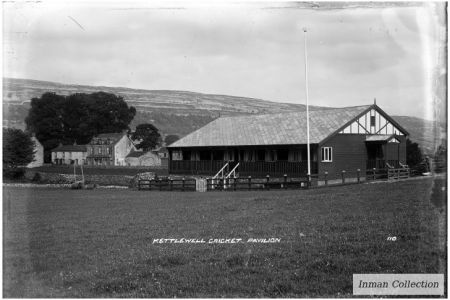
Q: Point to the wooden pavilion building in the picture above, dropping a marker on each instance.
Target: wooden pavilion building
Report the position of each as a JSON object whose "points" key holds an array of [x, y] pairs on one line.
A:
{"points": [[349, 138]]}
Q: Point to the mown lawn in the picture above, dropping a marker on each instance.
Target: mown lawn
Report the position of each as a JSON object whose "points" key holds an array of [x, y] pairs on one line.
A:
{"points": [[67, 243]]}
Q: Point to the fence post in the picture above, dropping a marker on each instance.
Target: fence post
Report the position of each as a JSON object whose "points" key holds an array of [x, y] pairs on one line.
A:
{"points": [[160, 184], [234, 183], [285, 181], [398, 173], [182, 186], [358, 174], [343, 176], [249, 183], [150, 184], [139, 184], [374, 171], [171, 183], [267, 182], [326, 178]]}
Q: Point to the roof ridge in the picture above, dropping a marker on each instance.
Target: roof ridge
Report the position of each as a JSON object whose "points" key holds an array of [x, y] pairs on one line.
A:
{"points": [[295, 112]]}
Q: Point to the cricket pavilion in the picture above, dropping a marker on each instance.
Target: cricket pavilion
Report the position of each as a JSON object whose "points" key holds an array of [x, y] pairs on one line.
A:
{"points": [[348, 138]]}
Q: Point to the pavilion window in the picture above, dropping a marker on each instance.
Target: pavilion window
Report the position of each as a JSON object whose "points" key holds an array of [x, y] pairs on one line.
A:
{"points": [[250, 155], [272, 155], [372, 121], [327, 154], [296, 155]]}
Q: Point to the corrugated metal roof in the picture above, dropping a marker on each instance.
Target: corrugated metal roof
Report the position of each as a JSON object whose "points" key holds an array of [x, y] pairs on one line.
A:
{"points": [[70, 148], [271, 129]]}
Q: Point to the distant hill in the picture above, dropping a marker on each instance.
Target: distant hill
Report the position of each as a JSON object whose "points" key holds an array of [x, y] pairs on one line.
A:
{"points": [[173, 112]]}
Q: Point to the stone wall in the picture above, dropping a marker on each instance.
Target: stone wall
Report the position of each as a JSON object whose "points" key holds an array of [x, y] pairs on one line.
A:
{"points": [[54, 178]]}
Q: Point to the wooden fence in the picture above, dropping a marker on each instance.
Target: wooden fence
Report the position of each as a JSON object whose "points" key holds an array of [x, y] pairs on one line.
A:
{"points": [[253, 183], [167, 184], [268, 183]]}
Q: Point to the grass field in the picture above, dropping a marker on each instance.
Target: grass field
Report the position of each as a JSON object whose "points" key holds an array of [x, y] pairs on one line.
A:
{"points": [[67, 243]]}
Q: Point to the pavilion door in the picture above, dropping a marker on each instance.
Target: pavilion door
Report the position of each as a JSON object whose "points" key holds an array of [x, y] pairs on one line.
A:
{"points": [[375, 156]]}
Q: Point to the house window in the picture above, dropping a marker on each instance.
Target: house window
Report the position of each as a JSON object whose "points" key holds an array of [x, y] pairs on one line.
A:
{"points": [[327, 154], [372, 121], [92, 150], [99, 150], [107, 150]]}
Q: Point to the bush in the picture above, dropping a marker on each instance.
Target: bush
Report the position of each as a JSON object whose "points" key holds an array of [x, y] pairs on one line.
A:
{"points": [[37, 177], [14, 173]]}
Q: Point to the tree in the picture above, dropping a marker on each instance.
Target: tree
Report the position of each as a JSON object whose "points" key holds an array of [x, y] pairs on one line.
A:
{"points": [[76, 118], [413, 153], [147, 135], [18, 149], [171, 138]]}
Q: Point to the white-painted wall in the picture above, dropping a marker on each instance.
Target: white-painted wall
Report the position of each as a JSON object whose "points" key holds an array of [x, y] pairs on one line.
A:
{"points": [[121, 149]]}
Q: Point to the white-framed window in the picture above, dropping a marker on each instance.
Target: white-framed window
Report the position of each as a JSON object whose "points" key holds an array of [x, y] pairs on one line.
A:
{"points": [[327, 154], [107, 150], [99, 150]]}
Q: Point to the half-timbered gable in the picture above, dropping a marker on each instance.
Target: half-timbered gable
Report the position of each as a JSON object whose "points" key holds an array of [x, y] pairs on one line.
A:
{"points": [[374, 121]]}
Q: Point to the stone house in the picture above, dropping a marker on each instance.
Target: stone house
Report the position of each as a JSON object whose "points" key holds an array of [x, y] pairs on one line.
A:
{"points": [[69, 154], [109, 149]]}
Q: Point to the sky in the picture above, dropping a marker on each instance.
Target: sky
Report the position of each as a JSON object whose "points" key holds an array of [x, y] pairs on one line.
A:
{"points": [[355, 53]]}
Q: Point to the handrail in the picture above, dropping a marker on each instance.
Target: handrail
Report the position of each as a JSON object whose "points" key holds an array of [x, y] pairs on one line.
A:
{"points": [[232, 171], [403, 166], [220, 171]]}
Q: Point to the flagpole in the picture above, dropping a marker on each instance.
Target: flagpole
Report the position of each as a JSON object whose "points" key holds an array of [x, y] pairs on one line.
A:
{"points": [[307, 110]]}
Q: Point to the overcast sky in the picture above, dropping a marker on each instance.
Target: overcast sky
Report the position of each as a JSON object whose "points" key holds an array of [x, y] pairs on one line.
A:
{"points": [[243, 49]]}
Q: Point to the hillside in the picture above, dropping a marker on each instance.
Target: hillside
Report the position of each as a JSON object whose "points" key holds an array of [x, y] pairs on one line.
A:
{"points": [[173, 112]]}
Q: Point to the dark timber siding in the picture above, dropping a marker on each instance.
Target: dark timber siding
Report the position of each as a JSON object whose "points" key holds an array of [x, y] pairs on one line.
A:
{"points": [[349, 154], [402, 157]]}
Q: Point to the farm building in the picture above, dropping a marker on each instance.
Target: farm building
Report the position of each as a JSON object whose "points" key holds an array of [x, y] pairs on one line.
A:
{"points": [[141, 158], [109, 149], [349, 138], [38, 156], [69, 154]]}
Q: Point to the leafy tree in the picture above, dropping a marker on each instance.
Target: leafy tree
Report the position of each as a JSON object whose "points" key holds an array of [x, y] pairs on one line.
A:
{"points": [[76, 118], [413, 153], [147, 135], [171, 138], [45, 119], [18, 149]]}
